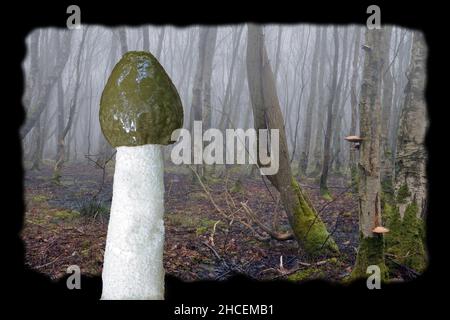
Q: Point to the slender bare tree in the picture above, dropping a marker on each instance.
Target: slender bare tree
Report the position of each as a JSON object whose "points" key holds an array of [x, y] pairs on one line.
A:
{"points": [[354, 105], [34, 111], [304, 158], [328, 133], [307, 226], [67, 127]]}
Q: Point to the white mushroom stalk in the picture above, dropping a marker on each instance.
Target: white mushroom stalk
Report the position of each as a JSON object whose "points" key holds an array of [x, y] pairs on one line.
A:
{"points": [[139, 110], [133, 261]]}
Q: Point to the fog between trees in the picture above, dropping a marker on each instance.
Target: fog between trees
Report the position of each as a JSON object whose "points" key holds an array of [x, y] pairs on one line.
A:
{"points": [[317, 84], [67, 70]]}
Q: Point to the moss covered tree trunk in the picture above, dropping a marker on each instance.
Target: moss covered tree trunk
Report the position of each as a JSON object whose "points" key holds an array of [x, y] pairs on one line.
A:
{"points": [[371, 244], [406, 240], [308, 228]]}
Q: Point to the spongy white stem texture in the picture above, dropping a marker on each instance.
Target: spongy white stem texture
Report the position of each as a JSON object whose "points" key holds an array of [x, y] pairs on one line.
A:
{"points": [[133, 262]]}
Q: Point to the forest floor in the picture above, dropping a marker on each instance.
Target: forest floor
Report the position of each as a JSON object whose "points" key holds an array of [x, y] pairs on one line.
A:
{"points": [[208, 234]]}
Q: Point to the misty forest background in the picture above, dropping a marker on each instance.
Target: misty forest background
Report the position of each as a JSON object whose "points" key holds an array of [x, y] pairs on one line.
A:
{"points": [[324, 83]]}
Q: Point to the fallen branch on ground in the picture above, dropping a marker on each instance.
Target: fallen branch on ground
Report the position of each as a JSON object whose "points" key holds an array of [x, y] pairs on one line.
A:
{"points": [[302, 264], [274, 234]]}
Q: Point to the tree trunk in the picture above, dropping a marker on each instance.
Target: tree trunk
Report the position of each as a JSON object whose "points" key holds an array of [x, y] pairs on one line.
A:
{"points": [[406, 212], [160, 43], [388, 83], [197, 88], [304, 156], [59, 135], [339, 104], [318, 144], [226, 114], [371, 244], [235, 99], [307, 226], [63, 133], [145, 39], [277, 55], [36, 158], [354, 108], [123, 40], [34, 112], [210, 46], [33, 75], [328, 133]]}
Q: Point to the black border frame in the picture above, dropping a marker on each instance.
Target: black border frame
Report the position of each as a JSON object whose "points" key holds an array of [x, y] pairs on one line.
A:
{"points": [[322, 298]]}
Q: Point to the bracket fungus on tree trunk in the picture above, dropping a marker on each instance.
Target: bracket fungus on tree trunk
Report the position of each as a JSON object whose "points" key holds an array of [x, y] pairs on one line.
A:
{"points": [[380, 229], [356, 140], [139, 109]]}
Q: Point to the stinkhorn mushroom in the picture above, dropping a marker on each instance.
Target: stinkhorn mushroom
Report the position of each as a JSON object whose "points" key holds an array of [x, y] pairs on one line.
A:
{"points": [[139, 109]]}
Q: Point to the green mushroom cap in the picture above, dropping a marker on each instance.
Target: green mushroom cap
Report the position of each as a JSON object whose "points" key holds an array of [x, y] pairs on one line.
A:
{"points": [[139, 104]]}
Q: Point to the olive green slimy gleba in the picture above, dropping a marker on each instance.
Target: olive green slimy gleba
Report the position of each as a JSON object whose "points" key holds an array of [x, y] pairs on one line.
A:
{"points": [[139, 109]]}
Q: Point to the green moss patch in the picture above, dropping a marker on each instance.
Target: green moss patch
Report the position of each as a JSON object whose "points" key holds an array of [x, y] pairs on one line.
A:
{"points": [[405, 241], [313, 233], [370, 252], [65, 214], [40, 198], [403, 193], [237, 187], [198, 195], [306, 274], [199, 224], [326, 195]]}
